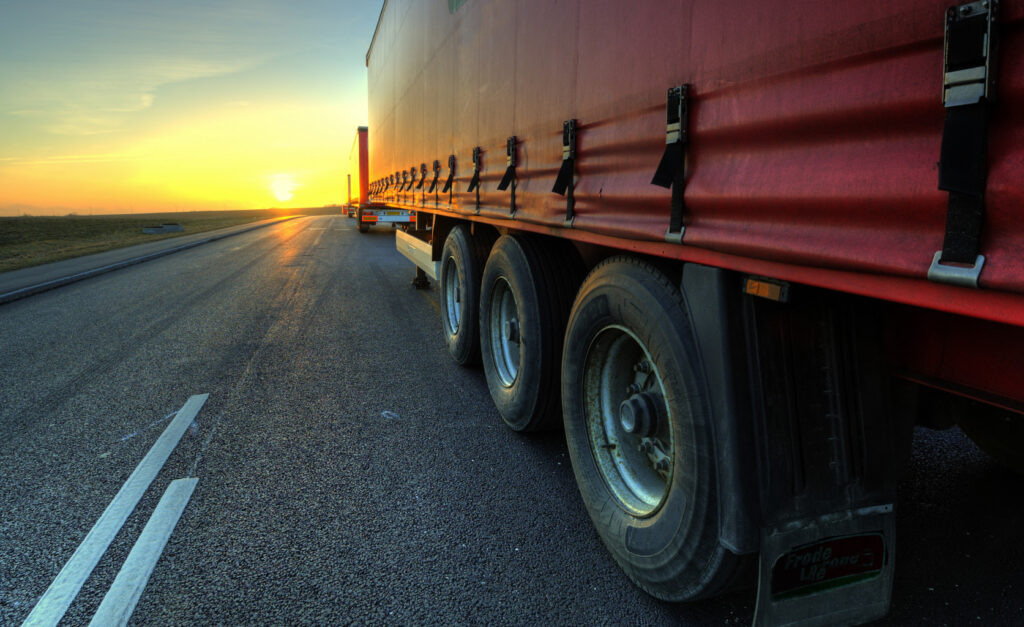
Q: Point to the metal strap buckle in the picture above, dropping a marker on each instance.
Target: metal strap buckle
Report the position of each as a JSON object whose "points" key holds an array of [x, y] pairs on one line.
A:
{"points": [[968, 75], [964, 276]]}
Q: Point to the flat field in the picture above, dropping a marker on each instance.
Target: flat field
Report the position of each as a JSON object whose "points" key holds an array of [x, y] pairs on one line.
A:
{"points": [[30, 241]]}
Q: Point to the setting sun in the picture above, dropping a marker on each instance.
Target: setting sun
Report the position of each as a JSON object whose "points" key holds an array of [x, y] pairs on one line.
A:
{"points": [[283, 186]]}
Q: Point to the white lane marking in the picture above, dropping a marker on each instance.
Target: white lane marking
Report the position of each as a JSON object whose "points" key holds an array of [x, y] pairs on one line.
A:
{"points": [[390, 415], [58, 597], [131, 580]]}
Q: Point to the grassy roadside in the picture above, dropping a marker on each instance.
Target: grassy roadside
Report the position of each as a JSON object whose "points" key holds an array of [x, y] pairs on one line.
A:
{"points": [[30, 241]]}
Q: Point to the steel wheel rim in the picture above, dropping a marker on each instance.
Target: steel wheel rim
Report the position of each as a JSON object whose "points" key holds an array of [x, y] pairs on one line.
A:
{"points": [[503, 318], [452, 296], [636, 466]]}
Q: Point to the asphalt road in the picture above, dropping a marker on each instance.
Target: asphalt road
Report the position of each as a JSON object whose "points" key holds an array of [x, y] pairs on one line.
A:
{"points": [[349, 472]]}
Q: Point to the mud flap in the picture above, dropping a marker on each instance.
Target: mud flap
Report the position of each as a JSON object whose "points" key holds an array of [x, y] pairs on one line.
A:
{"points": [[828, 455], [836, 569]]}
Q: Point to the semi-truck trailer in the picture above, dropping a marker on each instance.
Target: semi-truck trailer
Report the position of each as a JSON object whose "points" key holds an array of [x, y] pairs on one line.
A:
{"points": [[736, 249], [366, 211]]}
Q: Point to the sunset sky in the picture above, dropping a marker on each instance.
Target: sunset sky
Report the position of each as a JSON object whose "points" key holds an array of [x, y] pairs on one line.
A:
{"points": [[117, 106]]}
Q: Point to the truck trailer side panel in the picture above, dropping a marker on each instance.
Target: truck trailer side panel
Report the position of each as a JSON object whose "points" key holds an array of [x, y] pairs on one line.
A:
{"points": [[815, 128]]}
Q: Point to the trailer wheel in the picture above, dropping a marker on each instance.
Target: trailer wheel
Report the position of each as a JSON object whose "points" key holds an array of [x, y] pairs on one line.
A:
{"points": [[526, 294], [462, 262], [638, 429], [362, 226]]}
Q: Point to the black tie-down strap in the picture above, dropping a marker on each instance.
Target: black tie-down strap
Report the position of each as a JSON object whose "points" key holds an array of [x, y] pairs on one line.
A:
{"points": [[671, 172], [564, 184], [423, 175], [412, 179], [509, 178], [474, 182], [968, 93], [962, 172], [437, 174], [451, 175], [510, 164]]}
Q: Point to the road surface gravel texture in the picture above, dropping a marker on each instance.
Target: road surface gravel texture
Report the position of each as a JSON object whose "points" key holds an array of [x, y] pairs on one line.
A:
{"points": [[349, 472]]}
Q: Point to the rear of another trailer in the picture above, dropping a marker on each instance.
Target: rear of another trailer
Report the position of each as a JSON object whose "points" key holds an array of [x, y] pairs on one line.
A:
{"points": [[366, 211], [736, 249]]}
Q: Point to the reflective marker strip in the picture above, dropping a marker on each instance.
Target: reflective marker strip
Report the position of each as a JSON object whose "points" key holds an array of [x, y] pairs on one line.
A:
{"points": [[58, 597], [124, 594]]}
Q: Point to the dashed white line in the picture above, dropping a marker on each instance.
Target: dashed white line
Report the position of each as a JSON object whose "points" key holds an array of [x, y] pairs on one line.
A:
{"points": [[125, 592], [58, 597]]}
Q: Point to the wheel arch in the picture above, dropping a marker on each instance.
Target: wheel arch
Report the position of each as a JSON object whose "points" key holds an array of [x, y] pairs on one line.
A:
{"points": [[711, 297]]}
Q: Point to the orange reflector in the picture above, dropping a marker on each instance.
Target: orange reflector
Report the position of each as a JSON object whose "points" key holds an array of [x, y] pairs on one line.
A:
{"points": [[763, 288], [369, 218]]}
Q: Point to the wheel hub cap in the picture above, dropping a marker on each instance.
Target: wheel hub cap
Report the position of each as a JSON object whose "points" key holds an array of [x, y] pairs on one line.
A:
{"points": [[630, 423], [452, 314], [511, 331], [504, 335], [638, 414]]}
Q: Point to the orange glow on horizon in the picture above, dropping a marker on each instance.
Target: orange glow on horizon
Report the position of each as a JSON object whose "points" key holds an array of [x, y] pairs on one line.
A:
{"points": [[282, 156]]}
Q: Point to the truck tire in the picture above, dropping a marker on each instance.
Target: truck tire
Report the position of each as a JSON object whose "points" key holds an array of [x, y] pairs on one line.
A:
{"points": [[525, 297], [639, 432], [462, 261], [360, 225]]}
